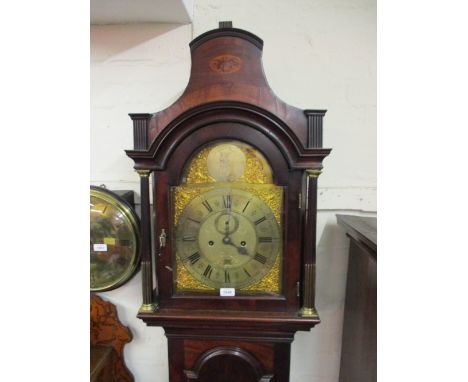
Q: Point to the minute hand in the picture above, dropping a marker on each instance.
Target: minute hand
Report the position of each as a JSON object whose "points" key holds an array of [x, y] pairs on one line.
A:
{"points": [[227, 240]]}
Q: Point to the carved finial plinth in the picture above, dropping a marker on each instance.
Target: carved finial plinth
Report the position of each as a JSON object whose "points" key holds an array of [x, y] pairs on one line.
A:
{"points": [[225, 24], [314, 127]]}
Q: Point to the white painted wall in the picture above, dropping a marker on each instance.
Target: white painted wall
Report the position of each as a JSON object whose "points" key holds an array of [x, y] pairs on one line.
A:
{"points": [[317, 54]]}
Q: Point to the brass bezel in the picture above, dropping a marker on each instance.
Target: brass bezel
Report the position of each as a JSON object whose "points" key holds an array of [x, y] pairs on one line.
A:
{"points": [[131, 217]]}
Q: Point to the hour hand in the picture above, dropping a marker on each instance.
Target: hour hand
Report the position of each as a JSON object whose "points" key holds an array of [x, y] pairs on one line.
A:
{"points": [[242, 251], [227, 240]]}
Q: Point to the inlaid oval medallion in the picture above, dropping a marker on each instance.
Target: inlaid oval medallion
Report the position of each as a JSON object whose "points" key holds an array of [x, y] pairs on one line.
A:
{"points": [[225, 63]]}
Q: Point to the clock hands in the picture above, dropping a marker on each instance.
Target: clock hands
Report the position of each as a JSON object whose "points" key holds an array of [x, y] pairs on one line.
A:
{"points": [[228, 241]]}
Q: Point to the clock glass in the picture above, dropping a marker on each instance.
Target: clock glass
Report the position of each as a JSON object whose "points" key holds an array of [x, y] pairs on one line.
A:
{"points": [[227, 222]]}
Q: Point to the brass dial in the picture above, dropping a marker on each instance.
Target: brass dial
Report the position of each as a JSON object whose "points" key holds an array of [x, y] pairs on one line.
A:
{"points": [[227, 237], [226, 162]]}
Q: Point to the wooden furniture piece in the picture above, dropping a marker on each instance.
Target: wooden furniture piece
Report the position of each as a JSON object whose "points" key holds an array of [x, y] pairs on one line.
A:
{"points": [[235, 173], [101, 365], [359, 344], [108, 338]]}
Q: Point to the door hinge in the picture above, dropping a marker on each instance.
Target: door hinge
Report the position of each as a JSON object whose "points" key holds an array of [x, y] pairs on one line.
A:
{"points": [[298, 289], [300, 200]]}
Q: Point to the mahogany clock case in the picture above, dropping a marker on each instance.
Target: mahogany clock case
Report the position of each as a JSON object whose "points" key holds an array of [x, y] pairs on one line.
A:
{"points": [[246, 337], [214, 108]]}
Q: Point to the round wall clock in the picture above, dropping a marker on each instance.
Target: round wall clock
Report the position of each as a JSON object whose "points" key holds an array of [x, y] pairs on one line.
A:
{"points": [[114, 247]]}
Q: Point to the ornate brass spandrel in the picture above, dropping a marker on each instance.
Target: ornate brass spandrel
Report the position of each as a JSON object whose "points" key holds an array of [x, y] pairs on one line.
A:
{"points": [[183, 195], [186, 282], [270, 194], [197, 171], [271, 283], [257, 169]]}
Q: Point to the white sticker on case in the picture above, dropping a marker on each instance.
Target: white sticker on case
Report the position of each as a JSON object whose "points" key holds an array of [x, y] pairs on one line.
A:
{"points": [[227, 292]]}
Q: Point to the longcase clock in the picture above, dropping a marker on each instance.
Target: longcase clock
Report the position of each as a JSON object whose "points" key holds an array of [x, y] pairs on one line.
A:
{"points": [[234, 169]]}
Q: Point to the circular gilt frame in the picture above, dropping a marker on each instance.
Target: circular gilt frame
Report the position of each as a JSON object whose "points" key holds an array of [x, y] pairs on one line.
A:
{"points": [[132, 219]]}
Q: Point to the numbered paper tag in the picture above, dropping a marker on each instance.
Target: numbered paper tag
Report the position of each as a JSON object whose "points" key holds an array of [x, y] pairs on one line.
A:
{"points": [[227, 292], [100, 247]]}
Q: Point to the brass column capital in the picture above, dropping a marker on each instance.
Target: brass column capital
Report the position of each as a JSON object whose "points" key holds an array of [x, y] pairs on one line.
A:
{"points": [[143, 172], [313, 172]]}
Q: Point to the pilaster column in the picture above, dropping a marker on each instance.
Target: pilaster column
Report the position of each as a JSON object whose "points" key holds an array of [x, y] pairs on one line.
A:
{"points": [[149, 305], [309, 243]]}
